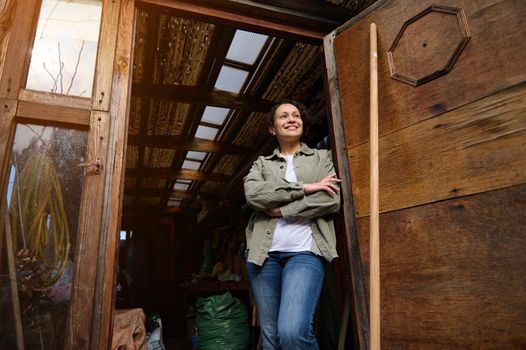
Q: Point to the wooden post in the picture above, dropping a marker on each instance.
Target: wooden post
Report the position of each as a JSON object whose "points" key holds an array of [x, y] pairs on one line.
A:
{"points": [[17, 315], [374, 200]]}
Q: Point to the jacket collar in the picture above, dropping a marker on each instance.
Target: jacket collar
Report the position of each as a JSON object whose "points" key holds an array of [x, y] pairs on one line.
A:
{"points": [[306, 150]]}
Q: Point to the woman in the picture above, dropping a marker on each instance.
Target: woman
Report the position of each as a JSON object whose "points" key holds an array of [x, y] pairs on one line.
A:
{"points": [[294, 191]]}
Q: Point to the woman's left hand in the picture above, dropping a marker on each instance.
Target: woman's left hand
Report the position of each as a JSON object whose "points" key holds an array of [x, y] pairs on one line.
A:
{"points": [[327, 184]]}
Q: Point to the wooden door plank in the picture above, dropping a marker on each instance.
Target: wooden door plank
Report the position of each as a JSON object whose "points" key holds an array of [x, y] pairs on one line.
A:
{"points": [[358, 297], [7, 13], [476, 148], [54, 99], [114, 187], [78, 333], [43, 113], [7, 134], [21, 26], [453, 272], [488, 64], [105, 54]]}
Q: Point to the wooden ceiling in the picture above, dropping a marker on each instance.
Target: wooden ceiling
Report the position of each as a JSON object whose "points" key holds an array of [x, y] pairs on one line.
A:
{"points": [[181, 48]]}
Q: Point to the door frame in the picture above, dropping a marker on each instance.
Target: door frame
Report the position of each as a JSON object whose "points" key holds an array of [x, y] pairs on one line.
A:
{"points": [[248, 19]]}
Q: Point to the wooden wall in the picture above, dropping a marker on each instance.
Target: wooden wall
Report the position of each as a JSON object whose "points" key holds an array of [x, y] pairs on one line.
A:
{"points": [[452, 172]]}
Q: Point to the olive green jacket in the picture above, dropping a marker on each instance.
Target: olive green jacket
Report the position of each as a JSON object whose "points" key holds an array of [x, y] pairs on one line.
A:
{"points": [[266, 187]]}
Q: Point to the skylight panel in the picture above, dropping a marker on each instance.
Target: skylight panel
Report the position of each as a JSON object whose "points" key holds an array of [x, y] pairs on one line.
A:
{"points": [[246, 47], [174, 202], [181, 186], [231, 79], [215, 115], [196, 155], [206, 132], [190, 164]]}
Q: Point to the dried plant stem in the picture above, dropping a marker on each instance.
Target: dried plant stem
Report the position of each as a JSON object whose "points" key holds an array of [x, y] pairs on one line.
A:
{"points": [[76, 68]]}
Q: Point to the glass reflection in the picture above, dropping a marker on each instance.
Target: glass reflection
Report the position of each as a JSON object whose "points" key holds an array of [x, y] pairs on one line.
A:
{"points": [[43, 197]]}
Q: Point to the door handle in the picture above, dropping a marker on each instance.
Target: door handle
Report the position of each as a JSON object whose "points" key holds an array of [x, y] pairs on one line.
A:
{"points": [[92, 167]]}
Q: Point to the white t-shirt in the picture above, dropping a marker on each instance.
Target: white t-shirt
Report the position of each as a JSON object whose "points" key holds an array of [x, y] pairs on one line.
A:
{"points": [[293, 235]]}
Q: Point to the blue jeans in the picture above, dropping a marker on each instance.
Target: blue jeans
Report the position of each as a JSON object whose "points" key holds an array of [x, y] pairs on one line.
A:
{"points": [[286, 289]]}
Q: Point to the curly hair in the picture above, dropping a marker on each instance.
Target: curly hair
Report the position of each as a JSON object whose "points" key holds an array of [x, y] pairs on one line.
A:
{"points": [[301, 108]]}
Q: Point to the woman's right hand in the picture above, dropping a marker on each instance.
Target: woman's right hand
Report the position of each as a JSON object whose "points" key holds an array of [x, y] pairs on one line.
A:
{"points": [[327, 184]]}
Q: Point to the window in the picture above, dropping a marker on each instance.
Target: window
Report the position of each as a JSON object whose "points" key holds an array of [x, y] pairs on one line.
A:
{"points": [[246, 46], [206, 132], [196, 155], [181, 185], [215, 115], [191, 164], [65, 47], [231, 79]]}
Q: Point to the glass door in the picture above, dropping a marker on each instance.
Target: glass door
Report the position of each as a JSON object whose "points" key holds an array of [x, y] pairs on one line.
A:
{"points": [[56, 141], [43, 203]]}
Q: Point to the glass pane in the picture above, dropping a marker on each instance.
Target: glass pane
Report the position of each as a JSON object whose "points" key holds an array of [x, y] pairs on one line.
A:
{"points": [[181, 186], [65, 47], [190, 164], [215, 115], [206, 132], [231, 79], [246, 46], [173, 202], [196, 155], [45, 186]]}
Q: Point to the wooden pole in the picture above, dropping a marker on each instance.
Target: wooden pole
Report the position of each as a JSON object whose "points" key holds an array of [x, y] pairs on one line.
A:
{"points": [[17, 316], [374, 227]]}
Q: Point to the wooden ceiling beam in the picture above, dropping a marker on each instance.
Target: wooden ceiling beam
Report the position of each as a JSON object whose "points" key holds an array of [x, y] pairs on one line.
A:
{"points": [[161, 192], [169, 173], [179, 143], [315, 9], [149, 209], [199, 96], [158, 192], [310, 23], [157, 210]]}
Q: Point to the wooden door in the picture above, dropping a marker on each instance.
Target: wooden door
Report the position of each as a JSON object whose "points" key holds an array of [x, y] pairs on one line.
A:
{"points": [[452, 125], [81, 139]]}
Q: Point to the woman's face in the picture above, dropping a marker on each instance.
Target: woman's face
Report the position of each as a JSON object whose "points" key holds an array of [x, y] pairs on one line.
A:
{"points": [[288, 125]]}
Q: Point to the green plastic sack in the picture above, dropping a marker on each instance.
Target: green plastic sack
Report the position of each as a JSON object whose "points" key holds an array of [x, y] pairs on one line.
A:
{"points": [[222, 323]]}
